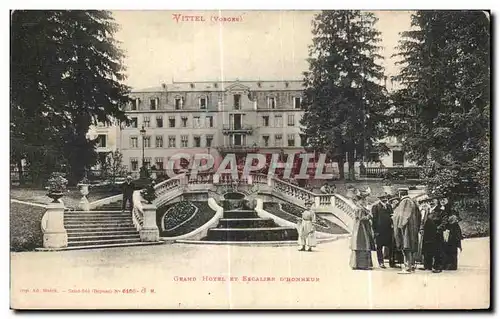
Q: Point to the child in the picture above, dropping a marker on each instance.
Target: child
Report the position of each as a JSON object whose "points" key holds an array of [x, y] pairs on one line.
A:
{"points": [[452, 242]]}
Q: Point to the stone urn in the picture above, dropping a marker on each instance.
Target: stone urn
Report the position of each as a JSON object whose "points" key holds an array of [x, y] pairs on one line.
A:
{"points": [[84, 202], [55, 196]]}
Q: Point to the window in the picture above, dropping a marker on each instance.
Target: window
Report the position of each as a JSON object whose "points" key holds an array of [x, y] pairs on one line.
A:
{"points": [[147, 162], [135, 104], [179, 103], [101, 140], [303, 140], [184, 141], [265, 139], [171, 121], [291, 139], [184, 121], [196, 122], [373, 157], [209, 139], [159, 121], [133, 142], [203, 103], [153, 103], [278, 140], [171, 141], [237, 101], [147, 141], [210, 121], [159, 163], [278, 121], [265, 120], [291, 120], [133, 122], [297, 102], [271, 102], [134, 164], [159, 141], [146, 121], [398, 158], [197, 141]]}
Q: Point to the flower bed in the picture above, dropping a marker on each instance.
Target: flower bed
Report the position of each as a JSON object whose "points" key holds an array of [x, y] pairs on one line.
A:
{"points": [[25, 227], [202, 216], [177, 214], [292, 213]]}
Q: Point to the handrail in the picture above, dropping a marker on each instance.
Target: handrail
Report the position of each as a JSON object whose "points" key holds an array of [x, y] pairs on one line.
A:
{"points": [[137, 210]]}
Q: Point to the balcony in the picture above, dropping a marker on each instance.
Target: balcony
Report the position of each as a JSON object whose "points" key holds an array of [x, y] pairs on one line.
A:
{"points": [[238, 149], [236, 129]]}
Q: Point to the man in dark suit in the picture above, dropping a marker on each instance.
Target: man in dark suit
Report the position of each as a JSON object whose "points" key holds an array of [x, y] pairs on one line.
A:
{"points": [[127, 190], [383, 230]]}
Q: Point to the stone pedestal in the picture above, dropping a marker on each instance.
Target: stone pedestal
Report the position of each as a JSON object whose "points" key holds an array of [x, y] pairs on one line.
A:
{"points": [[84, 202], [54, 233], [216, 179], [249, 180], [269, 181], [149, 231]]}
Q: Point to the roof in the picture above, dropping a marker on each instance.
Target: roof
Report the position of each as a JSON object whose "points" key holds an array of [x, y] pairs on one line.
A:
{"points": [[218, 86]]}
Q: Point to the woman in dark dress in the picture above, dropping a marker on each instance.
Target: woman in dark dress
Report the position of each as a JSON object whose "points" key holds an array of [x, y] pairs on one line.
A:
{"points": [[452, 243], [362, 241]]}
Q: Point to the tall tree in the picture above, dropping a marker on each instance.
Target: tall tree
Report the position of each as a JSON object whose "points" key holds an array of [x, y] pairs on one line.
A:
{"points": [[66, 74], [345, 100], [445, 99]]}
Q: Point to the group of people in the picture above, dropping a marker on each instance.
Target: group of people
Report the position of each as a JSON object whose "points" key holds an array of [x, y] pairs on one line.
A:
{"points": [[410, 232]]}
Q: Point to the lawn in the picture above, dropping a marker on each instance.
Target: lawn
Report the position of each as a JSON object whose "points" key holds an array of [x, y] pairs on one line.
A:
{"points": [[25, 227], [71, 199], [291, 213]]}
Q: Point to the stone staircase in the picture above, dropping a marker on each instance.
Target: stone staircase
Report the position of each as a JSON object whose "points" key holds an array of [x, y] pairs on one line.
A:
{"points": [[245, 225], [105, 226]]}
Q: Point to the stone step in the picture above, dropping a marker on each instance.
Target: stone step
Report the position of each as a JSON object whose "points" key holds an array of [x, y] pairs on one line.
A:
{"points": [[98, 224], [97, 213], [96, 243], [99, 219], [87, 232], [77, 216], [75, 238], [109, 245], [252, 234], [240, 214], [81, 227], [245, 223]]}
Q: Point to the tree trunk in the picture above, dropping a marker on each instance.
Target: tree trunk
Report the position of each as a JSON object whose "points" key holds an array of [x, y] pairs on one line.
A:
{"points": [[340, 163], [19, 164], [350, 161]]}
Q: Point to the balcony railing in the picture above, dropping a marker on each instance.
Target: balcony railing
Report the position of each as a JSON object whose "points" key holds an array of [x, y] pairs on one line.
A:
{"points": [[238, 149], [391, 172], [231, 128]]}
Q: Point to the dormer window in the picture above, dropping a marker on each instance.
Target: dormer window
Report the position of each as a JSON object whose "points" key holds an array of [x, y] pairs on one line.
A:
{"points": [[216, 85], [179, 103], [237, 101], [192, 85], [287, 84], [203, 101], [153, 103], [271, 102], [259, 84]]}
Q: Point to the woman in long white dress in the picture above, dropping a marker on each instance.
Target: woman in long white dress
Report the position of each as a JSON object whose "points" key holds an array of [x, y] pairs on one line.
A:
{"points": [[306, 230]]}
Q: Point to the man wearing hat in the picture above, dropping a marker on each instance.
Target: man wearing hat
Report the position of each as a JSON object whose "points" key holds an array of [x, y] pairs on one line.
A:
{"points": [[305, 228], [382, 229], [127, 190]]}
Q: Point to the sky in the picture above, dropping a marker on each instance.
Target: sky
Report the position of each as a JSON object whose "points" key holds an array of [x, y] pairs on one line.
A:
{"points": [[268, 45]]}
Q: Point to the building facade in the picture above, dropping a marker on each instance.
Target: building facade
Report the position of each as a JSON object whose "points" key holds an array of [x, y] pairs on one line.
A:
{"points": [[214, 117]]}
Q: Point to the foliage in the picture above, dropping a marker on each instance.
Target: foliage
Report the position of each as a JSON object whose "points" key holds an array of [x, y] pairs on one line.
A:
{"points": [[149, 193], [344, 102], [114, 165], [57, 183], [444, 98], [66, 74]]}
